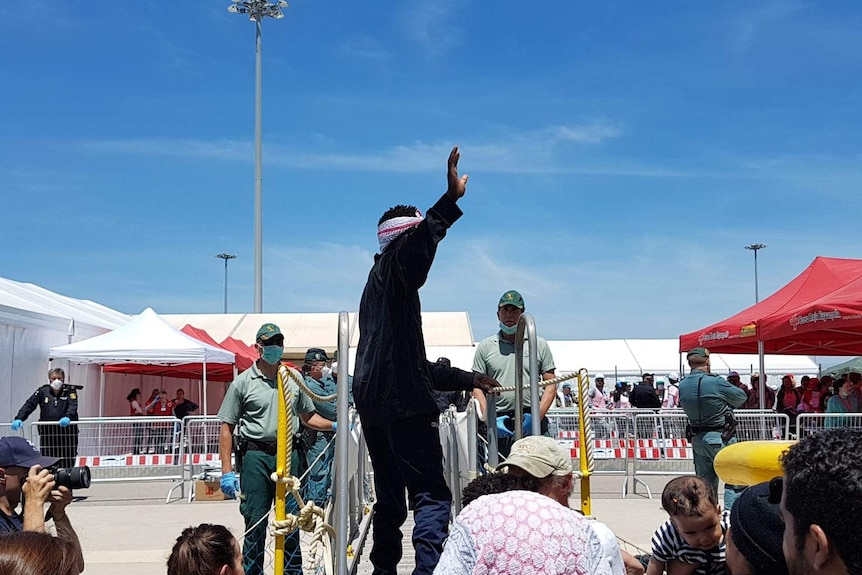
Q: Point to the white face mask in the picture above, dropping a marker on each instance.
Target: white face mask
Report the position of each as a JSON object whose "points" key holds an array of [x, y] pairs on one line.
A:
{"points": [[334, 368], [56, 384], [325, 372]]}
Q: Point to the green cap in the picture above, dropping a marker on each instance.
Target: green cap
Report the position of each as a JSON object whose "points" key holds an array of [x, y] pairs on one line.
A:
{"points": [[511, 297], [268, 331], [698, 352], [315, 354]]}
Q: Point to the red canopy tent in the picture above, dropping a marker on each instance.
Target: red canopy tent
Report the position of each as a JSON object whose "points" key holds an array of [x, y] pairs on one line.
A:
{"points": [[245, 354], [818, 313]]}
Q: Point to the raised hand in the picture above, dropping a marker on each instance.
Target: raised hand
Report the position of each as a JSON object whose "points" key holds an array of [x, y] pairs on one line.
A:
{"points": [[457, 186]]}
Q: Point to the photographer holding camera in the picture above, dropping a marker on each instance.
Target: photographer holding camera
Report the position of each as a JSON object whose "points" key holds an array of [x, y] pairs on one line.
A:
{"points": [[24, 475]]}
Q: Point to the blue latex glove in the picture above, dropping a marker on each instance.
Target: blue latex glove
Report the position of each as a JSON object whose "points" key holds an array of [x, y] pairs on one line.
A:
{"points": [[64, 422], [502, 431], [16, 425], [334, 425], [229, 484], [528, 424]]}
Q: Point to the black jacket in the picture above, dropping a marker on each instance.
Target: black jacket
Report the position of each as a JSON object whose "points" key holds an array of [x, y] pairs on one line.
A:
{"points": [[52, 408], [643, 395], [393, 379]]}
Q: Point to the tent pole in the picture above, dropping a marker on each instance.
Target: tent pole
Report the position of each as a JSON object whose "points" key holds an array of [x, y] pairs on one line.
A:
{"points": [[205, 387], [101, 391], [762, 378]]}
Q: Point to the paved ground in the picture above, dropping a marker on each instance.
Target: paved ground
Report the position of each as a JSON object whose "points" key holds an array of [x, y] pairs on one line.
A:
{"points": [[127, 527]]}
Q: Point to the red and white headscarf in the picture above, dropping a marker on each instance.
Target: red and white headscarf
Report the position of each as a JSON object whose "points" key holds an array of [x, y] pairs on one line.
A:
{"points": [[394, 227]]}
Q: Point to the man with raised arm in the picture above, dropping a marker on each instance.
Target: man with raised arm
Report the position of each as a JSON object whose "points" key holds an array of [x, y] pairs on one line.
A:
{"points": [[394, 383]]}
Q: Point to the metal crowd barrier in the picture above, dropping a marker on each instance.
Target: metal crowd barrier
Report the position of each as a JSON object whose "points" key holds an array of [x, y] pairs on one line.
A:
{"points": [[808, 423], [610, 443], [756, 425], [660, 447], [125, 448], [6, 430]]}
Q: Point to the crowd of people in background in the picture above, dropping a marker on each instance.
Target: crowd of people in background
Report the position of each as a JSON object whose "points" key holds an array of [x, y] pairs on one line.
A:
{"points": [[828, 394]]}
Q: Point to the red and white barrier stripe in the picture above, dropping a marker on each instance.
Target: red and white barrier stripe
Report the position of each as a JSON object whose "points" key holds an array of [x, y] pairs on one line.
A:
{"points": [[147, 460]]}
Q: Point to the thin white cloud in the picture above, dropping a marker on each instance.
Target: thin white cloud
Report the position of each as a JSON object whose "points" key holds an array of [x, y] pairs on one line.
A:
{"points": [[751, 23], [364, 48], [535, 151], [432, 25]]}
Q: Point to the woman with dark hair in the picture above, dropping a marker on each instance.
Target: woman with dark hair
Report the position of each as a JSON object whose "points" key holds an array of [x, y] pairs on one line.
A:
{"points": [[135, 410], [30, 553], [205, 550]]}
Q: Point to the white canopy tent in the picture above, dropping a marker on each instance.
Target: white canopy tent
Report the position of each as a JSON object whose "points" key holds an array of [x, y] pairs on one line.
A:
{"points": [[149, 340]]}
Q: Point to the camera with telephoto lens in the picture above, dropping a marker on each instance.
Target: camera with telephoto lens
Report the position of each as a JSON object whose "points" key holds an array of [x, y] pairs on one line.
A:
{"points": [[71, 477]]}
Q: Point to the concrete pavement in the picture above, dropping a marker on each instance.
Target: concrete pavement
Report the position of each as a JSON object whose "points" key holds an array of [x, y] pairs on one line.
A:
{"points": [[127, 528]]}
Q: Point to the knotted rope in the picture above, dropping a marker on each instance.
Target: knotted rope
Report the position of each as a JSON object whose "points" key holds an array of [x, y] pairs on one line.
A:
{"points": [[310, 517], [545, 383]]}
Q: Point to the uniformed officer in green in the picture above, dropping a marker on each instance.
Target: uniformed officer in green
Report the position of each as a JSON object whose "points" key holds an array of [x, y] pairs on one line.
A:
{"points": [[495, 357], [709, 400], [252, 402], [320, 447]]}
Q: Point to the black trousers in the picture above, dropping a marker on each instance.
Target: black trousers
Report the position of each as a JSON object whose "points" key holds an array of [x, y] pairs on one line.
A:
{"points": [[56, 441], [406, 455]]}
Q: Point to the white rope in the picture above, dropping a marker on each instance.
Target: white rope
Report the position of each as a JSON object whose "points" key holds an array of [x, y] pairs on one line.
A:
{"points": [[544, 383]]}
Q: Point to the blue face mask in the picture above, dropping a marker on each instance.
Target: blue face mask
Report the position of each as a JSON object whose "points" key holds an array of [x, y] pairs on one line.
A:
{"points": [[271, 354], [508, 330]]}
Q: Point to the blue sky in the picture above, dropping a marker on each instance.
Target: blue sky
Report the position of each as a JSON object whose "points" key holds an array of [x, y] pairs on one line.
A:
{"points": [[621, 154]]}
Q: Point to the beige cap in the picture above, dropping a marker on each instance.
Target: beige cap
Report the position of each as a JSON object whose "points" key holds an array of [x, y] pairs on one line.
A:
{"points": [[539, 456]]}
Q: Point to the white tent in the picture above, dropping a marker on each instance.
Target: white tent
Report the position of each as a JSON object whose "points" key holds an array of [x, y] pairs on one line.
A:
{"points": [[629, 358], [32, 320], [147, 339]]}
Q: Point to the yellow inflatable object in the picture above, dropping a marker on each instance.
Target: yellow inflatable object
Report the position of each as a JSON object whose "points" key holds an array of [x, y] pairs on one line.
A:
{"points": [[750, 462]]}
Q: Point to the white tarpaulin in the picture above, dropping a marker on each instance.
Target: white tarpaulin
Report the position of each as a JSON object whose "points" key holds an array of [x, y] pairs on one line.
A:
{"points": [[32, 320], [146, 339]]}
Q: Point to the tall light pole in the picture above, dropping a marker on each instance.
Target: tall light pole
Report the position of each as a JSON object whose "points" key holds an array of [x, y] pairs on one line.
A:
{"points": [[225, 257], [754, 248], [760, 351], [257, 10]]}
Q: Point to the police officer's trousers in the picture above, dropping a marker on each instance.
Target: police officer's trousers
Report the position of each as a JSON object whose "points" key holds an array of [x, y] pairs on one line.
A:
{"points": [[256, 497], [319, 477], [705, 446], [406, 454]]}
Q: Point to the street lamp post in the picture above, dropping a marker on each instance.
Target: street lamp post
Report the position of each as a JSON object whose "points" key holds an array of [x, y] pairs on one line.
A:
{"points": [[755, 248], [225, 257], [760, 353], [257, 10]]}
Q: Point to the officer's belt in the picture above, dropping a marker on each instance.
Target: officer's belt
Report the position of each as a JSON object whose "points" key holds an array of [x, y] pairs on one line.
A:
{"points": [[268, 447], [698, 430]]}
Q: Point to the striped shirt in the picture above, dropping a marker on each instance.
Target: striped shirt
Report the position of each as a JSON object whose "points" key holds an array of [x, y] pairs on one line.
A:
{"points": [[669, 545]]}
